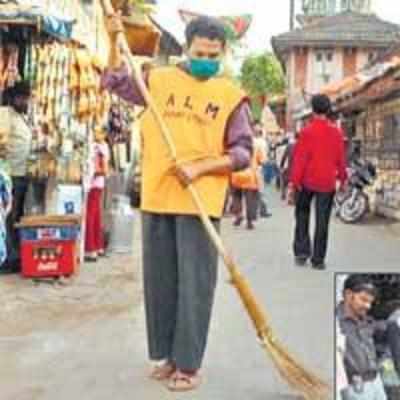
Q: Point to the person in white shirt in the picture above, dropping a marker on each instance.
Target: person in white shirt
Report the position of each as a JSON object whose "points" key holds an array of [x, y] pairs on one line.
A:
{"points": [[261, 143], [18, 151]]}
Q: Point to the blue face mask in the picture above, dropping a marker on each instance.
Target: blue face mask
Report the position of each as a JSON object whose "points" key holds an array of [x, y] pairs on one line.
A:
{"points": [[200, 68]]}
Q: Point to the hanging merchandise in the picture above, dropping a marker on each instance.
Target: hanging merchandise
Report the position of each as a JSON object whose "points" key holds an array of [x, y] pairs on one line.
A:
{"points": [[85, 84], [9, 56], [67, 101], [67, 104], [120, 121], [115, 124]]}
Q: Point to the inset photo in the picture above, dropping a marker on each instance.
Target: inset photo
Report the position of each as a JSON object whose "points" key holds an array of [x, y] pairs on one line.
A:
{"points": [[367, 337]]}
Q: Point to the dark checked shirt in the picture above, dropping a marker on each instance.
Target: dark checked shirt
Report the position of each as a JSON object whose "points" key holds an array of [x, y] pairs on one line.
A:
{"points": [[360, 355], [393, 336]]}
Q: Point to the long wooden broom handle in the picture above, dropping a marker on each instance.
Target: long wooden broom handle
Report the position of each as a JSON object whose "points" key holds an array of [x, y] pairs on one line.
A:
{"points": [[167, 137], [250, 302]]}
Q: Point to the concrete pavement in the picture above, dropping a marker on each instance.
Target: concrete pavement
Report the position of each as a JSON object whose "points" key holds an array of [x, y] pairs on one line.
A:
{"points": [[87, 341]]}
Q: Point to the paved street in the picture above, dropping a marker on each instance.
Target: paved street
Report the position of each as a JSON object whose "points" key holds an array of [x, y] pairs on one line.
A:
{"points": [[86, 340]]}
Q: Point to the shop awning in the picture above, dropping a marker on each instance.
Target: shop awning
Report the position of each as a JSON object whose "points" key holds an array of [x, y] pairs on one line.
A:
{"points": [[42, 14]]}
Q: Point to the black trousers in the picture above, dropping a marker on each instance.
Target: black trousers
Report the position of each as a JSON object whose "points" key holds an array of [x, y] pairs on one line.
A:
{"points": [[323, 209], [19, 191], [284, 183], [252, 201]]}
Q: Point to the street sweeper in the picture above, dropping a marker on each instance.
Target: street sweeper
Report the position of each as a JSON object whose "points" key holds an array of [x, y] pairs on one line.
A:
{"points": [[196, 132], [209, 118]]}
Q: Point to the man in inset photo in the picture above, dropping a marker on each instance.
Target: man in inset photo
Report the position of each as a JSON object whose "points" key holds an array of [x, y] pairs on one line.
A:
{"points": [[368, 337], [360, 358]]}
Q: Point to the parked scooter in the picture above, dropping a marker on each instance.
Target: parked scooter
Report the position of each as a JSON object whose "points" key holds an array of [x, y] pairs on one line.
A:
{"points": [[353, 204]]}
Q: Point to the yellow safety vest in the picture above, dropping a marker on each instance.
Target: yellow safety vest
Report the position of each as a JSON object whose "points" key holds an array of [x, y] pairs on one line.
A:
{"points": [[196, 113]]}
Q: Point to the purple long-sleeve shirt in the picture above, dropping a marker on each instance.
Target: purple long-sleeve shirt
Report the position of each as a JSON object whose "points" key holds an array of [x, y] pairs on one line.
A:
{"points": [[238, 134]]}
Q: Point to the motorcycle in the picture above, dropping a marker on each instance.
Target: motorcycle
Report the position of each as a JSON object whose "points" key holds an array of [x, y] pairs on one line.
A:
{"points": [[352, 204]]}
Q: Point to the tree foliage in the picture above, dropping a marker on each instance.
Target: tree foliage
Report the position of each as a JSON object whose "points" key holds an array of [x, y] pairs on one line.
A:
{"points": [[262, 75]]}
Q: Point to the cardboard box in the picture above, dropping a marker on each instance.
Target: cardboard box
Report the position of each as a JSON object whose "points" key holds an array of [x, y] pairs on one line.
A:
{"points": [[63, 199]]}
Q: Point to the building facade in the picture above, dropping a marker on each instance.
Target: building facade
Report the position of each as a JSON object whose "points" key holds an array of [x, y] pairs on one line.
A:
{"points": [[371, 111], [328, 48]]}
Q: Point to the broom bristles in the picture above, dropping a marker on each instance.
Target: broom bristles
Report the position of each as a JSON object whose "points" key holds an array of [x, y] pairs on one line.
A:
{"points": [[284, 357], [301, 380]]}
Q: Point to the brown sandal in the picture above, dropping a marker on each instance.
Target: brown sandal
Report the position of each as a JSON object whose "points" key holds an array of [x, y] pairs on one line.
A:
{"points": [[163, 372], [181, 382]]}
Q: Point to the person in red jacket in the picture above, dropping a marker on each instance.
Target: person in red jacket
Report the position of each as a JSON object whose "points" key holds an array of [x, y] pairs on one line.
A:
{"points": [[318, 162]]}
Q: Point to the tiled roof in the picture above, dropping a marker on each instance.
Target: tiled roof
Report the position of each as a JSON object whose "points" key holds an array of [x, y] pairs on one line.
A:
{"points": [[375, 73], [346, 29], [346, 85], [357, 83]]}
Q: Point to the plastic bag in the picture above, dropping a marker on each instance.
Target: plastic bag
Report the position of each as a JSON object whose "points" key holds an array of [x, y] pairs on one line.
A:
{"points": [[5, 208]]}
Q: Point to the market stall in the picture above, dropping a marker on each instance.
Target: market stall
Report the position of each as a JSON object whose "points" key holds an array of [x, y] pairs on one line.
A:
{"points": [[66, 105], [61, 51]]}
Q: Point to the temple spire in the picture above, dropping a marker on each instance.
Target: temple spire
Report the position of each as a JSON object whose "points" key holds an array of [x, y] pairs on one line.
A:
{"points": [[320, 8], [361, 6], [323, 8]]}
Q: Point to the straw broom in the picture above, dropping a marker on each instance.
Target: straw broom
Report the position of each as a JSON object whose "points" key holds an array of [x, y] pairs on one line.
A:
{"points": [[297, 376]]}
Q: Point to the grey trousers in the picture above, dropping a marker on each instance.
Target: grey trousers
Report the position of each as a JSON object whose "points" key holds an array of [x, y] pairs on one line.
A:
{"points": [[180, 275]]}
